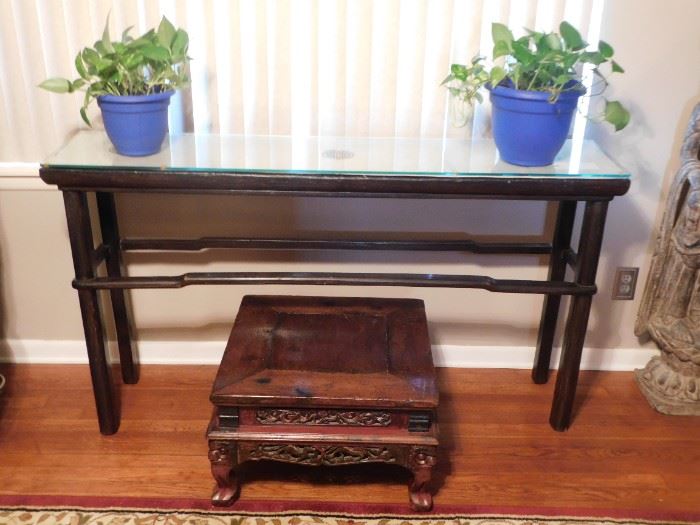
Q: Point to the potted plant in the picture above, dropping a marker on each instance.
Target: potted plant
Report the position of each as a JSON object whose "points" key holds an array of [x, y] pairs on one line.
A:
{"points": [[132, 81], [534, 86]]}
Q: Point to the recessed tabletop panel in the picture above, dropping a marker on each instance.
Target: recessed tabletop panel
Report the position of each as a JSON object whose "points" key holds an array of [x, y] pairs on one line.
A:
{"points": [[327, 351], [429, 157]]}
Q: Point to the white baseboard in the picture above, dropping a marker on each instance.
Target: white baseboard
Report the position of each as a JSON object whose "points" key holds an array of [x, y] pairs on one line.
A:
{"points": [[209, 353]]}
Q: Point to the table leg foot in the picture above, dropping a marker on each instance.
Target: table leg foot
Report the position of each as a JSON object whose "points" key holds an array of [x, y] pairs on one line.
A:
{"points": [[221, 456], [224, 496], [559, 424], [421, 462]]}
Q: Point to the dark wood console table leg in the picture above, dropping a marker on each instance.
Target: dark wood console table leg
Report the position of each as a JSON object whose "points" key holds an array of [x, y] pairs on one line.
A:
{"points": [[110, 237], [557, 272], [82, 247], [579, 310]]}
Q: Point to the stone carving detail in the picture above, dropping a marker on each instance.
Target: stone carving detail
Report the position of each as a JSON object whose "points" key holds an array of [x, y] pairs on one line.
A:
{"points": [[284, 416], [670, 309], [320, 455]]}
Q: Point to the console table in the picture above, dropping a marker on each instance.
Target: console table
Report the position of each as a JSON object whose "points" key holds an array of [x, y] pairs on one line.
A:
{"points": [[333, 167]]}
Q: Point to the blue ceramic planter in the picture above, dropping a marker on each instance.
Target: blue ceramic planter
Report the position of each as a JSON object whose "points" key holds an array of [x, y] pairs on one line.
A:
{"points": [[527, 128], [136, 124]]}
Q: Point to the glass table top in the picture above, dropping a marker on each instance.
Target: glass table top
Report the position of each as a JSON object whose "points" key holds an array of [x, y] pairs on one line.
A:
{"points": [[430, 157]]}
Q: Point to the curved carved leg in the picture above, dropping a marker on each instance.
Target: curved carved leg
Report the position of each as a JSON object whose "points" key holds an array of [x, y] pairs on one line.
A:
{"points": [[421, 462], [222, 457]]}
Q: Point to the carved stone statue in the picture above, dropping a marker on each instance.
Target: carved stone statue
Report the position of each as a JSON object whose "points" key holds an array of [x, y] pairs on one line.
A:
{"points": [[670, 309]]}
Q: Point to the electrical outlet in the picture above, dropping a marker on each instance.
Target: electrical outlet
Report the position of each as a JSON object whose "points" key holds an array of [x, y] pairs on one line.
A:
{"points": [[625, 283]]}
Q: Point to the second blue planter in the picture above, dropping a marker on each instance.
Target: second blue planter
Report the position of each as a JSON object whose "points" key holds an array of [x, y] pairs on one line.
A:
{"points": [[528, 129], [136, 124]]}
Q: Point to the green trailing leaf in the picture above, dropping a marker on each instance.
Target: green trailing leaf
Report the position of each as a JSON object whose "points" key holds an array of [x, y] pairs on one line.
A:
{"points": [[56, 85], [592, 57], [83, 115], [179, 45], [501, 33], [77, 84], [459, 71], [501, 49], [90, 56], [605, 49], [140, 42], [133, 61], [101, 49], [616, 114], [497, 75], [523, 54], [553, 41], [106, 41], [616, 68], [156, 52], [166, 33], [562, 79], [448, 78], [103, 66], [125, 35], [571, 36], [80, 66]]}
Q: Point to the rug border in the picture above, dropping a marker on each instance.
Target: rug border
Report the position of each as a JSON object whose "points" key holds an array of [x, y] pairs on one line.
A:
{"points": [[381, 510]]}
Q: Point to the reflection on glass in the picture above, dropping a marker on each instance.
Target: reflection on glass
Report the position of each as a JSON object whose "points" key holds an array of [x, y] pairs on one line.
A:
{"points": [[460, 111], [439, 157]]}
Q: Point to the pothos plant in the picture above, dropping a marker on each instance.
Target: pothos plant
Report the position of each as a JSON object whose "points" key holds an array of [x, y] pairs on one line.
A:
{"points": [[152, 63], [548, 62]]}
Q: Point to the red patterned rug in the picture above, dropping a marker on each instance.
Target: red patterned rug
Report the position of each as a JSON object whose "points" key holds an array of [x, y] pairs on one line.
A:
{"points": [[30, 510]]}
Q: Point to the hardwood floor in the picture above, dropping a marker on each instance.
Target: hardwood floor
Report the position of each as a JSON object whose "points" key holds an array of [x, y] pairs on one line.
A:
{"points": [[619, 453]]}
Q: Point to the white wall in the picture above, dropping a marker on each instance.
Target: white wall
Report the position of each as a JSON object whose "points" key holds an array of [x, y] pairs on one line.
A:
{"points": [[658, 44], [39, 313]]}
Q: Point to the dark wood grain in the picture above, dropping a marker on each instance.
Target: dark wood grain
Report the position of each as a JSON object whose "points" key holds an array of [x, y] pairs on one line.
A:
{"points": [[327, 352], [337, 185], [557, 272], [80, 233], [590, 243], [110, 235], [329, 278], [466, 245]]}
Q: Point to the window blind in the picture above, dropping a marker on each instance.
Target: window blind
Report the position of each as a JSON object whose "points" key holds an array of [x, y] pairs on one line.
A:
{"points": [[306, 67]]}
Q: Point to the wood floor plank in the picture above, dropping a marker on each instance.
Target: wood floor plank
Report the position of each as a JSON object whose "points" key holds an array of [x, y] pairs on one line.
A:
{"points": [[619, 453]]}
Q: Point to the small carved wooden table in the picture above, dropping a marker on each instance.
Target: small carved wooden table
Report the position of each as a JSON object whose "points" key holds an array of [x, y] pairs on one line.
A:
{"points": [[326, 381]]}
